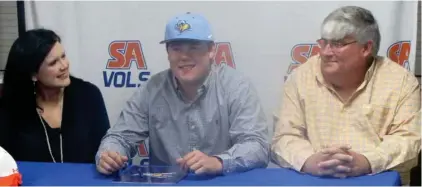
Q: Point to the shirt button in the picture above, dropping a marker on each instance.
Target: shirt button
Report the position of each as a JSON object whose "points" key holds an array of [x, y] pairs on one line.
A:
{"points": [[192, 127]]}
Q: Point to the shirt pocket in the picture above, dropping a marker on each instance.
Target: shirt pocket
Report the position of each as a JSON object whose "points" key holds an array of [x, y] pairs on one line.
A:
{"points": [[213, 127], [374, 118], [160, 117]]}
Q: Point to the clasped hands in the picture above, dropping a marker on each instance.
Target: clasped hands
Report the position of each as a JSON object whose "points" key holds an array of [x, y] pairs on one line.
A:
{"points": [[196, 161], [337, 161]]}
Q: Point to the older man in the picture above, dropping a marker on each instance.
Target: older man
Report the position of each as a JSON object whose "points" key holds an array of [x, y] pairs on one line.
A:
{"points": [[347, 111], [203, 116]]}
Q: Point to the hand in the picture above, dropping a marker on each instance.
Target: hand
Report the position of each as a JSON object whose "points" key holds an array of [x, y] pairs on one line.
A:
{"points": [[110, 162], [328, 162], [201, 163], [359, 165]]}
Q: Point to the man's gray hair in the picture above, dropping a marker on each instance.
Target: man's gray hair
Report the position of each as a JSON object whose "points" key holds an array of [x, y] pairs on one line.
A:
{"points": [[352, 21]]}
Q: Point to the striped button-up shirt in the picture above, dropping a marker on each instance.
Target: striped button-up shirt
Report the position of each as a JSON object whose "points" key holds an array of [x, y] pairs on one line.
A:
{"points": [[381, 121], [225, 120]]}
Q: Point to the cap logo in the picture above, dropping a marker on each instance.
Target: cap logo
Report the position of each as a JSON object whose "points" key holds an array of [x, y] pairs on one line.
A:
{"points": [[182, 26]]}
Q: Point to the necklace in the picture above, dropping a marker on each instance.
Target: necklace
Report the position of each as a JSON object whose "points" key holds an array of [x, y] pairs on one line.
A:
{"points": [[48, 141]]}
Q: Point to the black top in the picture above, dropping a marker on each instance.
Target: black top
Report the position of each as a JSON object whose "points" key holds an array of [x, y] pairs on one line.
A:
{"points": [[84, 123]]}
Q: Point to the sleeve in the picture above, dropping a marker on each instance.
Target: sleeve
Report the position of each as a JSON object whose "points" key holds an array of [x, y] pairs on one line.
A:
{"points": [[403, 142], [4, 130], [100, 118], [131, 127], [290, 147], [248, 131]]}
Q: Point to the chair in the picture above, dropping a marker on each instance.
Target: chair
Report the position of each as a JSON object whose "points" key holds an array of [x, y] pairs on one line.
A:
{"points": [[415, 174]]}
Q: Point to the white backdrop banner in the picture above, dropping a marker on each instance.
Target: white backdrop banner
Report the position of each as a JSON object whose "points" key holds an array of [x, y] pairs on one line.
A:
{"points": [[115, 44]]}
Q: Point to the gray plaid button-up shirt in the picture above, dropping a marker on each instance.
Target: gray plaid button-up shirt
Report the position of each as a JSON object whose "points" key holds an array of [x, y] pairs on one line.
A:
{"points": [[225, 120]]}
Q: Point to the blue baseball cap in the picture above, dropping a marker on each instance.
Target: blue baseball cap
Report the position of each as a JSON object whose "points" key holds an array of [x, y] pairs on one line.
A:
{"points": [[188, 26]]}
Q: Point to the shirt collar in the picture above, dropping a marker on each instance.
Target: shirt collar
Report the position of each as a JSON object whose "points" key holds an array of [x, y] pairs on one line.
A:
{"points": [[202, 88]]}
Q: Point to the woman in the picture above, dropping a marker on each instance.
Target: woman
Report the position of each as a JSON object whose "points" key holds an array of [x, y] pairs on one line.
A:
{"points": [[47, 114]]}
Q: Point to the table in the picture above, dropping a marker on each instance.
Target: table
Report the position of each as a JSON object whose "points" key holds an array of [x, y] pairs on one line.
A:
{"points": [[70, 174]]}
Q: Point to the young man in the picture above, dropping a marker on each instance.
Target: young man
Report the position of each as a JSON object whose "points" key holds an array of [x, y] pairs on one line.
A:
{"points": [[197, 114], [347, 111]]}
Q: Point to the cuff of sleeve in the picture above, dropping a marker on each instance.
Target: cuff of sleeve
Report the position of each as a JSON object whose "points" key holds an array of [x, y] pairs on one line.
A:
{"points": [[376, 161], [300, 158], [109, 147], [97, 157], [227, 163]]}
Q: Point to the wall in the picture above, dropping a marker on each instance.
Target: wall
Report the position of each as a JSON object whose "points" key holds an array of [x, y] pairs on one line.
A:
{"points": [[8, 28]]}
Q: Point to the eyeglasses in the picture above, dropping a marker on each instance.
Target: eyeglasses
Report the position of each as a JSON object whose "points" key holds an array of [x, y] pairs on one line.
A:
{"points": [[322, 43]]}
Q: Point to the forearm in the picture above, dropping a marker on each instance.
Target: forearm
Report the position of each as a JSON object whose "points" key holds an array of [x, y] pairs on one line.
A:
{"points": [[291, 151], [245, 156], [393, 151], [117, 143]]}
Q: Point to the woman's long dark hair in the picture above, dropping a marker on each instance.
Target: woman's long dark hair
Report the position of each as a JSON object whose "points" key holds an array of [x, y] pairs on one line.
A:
{"points": [[25, 58]]}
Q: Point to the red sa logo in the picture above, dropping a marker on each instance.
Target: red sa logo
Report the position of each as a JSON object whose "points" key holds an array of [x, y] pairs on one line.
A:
{"points": [[399, 52], [142, 150], [224, 54], [300, 54], [124, 53], [143, 154]]}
